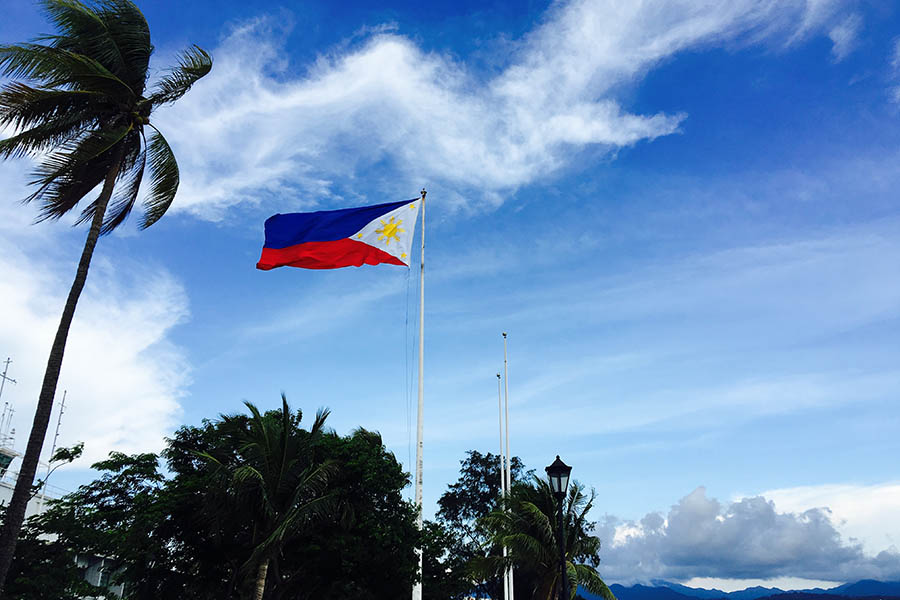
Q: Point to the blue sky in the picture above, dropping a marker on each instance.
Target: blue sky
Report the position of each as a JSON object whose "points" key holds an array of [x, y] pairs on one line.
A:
{"points": [[683, 213]]}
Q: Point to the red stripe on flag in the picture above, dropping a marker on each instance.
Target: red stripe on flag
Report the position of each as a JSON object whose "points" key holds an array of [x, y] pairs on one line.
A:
{"points": [[325, 255]]}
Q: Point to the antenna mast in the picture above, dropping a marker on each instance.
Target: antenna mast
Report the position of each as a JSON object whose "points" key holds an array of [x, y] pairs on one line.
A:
{"points": [[6, 419], [62, 409]]}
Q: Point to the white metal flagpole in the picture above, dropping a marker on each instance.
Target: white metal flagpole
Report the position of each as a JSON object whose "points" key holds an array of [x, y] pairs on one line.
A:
{"points": [[509, 574], [502, 476], [417, 587]]}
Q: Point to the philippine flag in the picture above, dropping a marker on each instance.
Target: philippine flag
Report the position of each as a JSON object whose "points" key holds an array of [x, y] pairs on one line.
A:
{"points": [[331, 239]]}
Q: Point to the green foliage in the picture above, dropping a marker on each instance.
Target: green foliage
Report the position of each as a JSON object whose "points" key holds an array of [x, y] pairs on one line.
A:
{"points": [[528, 528], [476, 491], [121, 516], [45, 570], [445, 572], [275, 481], [369, 552], [239, 492], [456, 538], [62, 456]]}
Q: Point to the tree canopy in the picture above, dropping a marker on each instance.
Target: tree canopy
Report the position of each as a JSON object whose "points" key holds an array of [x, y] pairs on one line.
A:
{"points": [[195, 532], [201, 527], [527, 526]]}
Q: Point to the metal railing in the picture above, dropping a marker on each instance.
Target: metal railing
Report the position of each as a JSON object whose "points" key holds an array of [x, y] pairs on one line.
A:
{"points": [[50, 491]]}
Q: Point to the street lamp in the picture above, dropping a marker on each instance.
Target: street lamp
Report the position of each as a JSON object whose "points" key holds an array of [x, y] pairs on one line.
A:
{"points": [[558, 473]]}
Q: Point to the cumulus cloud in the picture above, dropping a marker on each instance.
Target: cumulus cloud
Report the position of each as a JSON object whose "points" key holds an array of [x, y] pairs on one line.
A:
{"points": [[869, 514], [251, 129], [123, 376], [748, 538]]}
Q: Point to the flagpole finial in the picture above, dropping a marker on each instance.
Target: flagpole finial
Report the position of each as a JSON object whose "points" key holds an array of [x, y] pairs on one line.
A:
{"points": [[423, 193], [504, 334]]}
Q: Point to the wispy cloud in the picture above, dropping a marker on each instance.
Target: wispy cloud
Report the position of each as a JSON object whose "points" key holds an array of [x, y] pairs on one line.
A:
{"points": [[844, 35], [252, 129], [894, 60]]}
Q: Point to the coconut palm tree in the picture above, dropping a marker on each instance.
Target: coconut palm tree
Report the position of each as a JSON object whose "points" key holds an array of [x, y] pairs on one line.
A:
{"points": [[276, 479], [528, 530], [80, 106]]}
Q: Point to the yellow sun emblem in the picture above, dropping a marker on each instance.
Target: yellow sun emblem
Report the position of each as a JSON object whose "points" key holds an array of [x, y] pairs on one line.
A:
{"points": [[390, 230]]}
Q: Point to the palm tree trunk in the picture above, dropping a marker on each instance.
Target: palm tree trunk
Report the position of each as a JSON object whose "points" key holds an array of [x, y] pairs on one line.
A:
{"points": [[15, 512], [261, 580]]}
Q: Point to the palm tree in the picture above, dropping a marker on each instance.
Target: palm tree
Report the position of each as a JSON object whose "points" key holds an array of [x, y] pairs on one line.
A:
{"points": [[80, 106], [528, 529], [277, 479]]}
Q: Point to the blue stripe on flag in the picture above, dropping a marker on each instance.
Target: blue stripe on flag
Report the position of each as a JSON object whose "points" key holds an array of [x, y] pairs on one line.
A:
{"points": [[322, 226]]}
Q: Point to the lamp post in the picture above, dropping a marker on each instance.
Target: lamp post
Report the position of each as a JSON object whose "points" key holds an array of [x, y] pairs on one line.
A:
{"points": [[558, 473]]}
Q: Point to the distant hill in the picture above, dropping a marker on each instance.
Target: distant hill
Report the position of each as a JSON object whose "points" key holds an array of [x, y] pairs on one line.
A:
{"points": [[868, 589], [643, 592]]}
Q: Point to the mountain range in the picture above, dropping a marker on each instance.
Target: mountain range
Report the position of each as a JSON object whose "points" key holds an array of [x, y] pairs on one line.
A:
{"points": [[664, 590]]}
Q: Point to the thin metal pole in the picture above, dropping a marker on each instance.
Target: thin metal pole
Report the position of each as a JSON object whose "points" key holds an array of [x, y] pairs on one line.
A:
{"points": [[417, 588], [62, 410], [502, 477], [8, 410], [509, 575], [563, 576], [3, 377]]}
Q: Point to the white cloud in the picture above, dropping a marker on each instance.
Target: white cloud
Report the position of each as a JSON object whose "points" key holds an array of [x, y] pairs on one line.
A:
{"points": [[123, 376], [844, 35], [895, 65], [745, 539], [252, 129], [867, 513], [782, 583]]}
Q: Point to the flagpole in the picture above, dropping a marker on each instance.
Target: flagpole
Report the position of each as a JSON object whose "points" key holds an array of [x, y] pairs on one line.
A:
{"points": [[502, 476], [509, 574], [417, 587]]}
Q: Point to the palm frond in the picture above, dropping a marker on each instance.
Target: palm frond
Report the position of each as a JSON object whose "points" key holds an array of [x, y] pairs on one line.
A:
{"points": [[23, 106], [312, 482], [540, 521], [56, 68], [193, 64], [590, 580], [488, 567], [83, 31], [65, 193], [41, 138], [210, 458], [122, 203], [115, 34], [247, 473], [66, 175], [313, 510], [129, 30], [318, 425], [164, 180], [528, 549]]}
